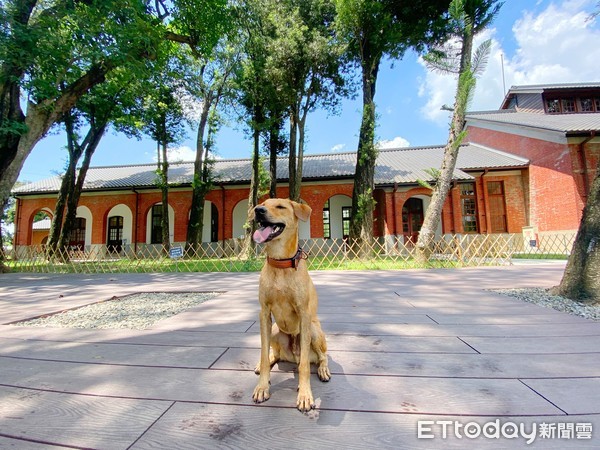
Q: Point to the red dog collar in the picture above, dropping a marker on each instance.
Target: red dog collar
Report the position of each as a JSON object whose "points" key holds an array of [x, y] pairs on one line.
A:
{"points": [[288, 263]]}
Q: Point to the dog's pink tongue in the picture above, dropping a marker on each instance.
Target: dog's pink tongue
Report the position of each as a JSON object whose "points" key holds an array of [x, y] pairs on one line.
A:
{"points": [[262, 234]]}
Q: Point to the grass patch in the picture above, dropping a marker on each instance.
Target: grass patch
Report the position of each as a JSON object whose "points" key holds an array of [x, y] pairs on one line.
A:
{"points": [[540, 256], [125, 265]]}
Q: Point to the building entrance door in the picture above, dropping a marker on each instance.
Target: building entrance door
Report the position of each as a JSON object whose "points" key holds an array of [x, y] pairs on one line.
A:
{"points": [[412, 219], [115, 234]]}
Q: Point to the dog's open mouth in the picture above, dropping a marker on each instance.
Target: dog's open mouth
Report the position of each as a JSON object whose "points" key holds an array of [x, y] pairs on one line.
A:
{"points": [[267, 232]]}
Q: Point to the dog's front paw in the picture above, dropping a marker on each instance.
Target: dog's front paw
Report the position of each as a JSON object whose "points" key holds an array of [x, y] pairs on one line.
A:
{"points": [[323, 373], [305, 401], [261, 394]]}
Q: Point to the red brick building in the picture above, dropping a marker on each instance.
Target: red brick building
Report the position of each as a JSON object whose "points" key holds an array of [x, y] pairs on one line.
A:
{"points": [[556, 128], [527, 165]]}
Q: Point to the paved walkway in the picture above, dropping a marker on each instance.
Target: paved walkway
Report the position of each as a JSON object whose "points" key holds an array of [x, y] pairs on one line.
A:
{"points": [[404, 347]]}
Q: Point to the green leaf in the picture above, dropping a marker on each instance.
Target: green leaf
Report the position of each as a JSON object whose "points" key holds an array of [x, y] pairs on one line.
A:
{"points": [[481, 57]]}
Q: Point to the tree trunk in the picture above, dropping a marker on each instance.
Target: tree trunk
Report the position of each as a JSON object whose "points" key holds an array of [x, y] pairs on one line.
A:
{"points": [[293, 184], [300, 157], [274, 142], [164, 222], [433, 214], [12, 118], [67, 186], [363, 203], [52, 248], [255, 177], [37, 125], [196, 223], [89, 145], [248, 244], [40, 117], [297, 133], [581, 279]]}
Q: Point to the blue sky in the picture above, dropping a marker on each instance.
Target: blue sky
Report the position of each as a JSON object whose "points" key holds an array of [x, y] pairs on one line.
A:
{"points": [[541, 41]]}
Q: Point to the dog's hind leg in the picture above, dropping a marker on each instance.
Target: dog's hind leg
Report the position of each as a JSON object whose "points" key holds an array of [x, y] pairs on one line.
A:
{"points": [[319, 346], [272, 360]]}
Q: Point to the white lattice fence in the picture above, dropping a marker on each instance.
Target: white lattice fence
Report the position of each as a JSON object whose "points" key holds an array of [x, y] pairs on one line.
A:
{"points": [[390, 252], [545, 245]]}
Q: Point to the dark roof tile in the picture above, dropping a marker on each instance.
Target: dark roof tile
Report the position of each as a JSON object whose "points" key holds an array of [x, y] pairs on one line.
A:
{"points": [[402, 166], [562, 123]]}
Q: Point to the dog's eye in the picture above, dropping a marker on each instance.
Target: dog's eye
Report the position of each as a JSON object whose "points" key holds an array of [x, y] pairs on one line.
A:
{"points": [[280, 207]]}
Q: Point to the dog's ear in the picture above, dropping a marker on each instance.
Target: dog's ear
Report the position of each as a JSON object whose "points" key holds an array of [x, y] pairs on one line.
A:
{"points": [[302, 211]]}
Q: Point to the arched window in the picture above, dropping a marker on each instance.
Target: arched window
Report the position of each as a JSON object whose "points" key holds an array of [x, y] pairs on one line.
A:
{"points": [[156, 224], [336, 217], [77, 238], [214, 223]]}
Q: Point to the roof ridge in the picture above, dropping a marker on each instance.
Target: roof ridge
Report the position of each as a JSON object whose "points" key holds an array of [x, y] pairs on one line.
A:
{"points": [[582, 84], [415, 147], [495, 111], [138, 165]]}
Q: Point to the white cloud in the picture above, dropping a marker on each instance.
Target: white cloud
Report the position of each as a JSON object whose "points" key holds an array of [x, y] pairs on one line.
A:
{"points": [[338, 148], [178, 154], [396, 142], [554, 46], [183, 153]]}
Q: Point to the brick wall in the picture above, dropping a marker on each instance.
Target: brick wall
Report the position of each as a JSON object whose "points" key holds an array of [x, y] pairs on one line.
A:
{"points": [[514, 198], [140, 204], [388, 212], [38, 236], [26, 210], [451, 219], [555, 199]]}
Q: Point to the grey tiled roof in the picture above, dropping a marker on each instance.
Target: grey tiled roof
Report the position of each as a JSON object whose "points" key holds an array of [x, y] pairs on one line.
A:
{"points": [[563, 123], [547, 87], [402, 166]]}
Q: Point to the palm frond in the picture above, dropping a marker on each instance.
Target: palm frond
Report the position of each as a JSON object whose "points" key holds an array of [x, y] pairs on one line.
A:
{"points": [[481, 57], [484, 13], [438, 61]]}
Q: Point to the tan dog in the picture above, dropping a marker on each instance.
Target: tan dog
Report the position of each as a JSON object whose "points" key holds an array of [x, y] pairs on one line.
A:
{"points": [[287, 293]]}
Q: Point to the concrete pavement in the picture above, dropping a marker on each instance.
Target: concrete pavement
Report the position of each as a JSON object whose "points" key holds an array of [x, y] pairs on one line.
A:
{"points": [[416, 356]]}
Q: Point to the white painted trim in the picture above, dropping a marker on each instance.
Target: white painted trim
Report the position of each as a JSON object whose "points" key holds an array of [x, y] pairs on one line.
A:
{"points": [[149, 224], [85, 213], [123, 211], [503, 173]]}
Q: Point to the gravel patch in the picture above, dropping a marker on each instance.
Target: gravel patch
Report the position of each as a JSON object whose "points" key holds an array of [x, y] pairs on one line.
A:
{"points": [[135, 312], [543, 297]]}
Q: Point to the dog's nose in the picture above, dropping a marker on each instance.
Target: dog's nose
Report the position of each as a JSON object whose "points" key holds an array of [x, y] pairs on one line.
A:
{"points": [[260, 211]]}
